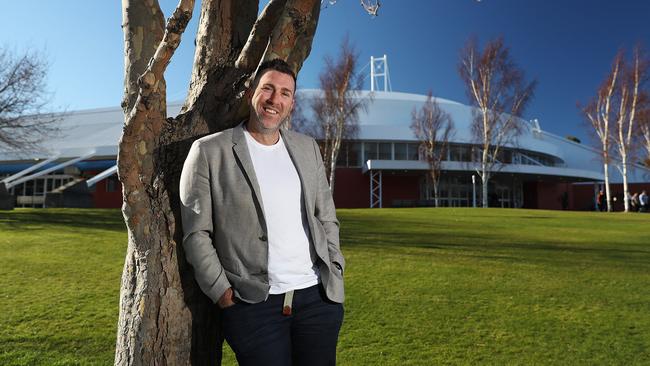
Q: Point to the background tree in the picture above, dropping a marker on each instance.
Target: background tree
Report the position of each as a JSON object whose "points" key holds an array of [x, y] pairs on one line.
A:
{"points": [[497, 90], [644, 121], [601, 115], [432, 127], [23, 97], [164, 316], [336, 109], [629, 99]]}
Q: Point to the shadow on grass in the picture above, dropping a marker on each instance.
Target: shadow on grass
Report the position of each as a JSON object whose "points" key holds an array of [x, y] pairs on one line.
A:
{"points": [[481, 246], [109, 219]]}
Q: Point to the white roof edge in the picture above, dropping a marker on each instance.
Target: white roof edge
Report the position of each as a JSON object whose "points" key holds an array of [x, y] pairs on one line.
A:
{"points": [[394, 96]]}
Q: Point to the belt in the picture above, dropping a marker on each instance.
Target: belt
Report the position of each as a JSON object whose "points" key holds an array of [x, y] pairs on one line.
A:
{"points": [[288, 300]]}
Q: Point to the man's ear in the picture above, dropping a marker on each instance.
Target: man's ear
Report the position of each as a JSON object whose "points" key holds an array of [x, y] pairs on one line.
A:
{"points": [[248, 94]]}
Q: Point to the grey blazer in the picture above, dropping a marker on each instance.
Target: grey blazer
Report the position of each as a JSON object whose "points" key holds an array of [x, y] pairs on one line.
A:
{"points": [[225, 233]]}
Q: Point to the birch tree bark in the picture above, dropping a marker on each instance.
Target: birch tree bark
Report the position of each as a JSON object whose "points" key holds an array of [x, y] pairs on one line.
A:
{"points": [[499, 93], [631, 99], [433, 128], [336, 109], [601, 116], [164, 317]]}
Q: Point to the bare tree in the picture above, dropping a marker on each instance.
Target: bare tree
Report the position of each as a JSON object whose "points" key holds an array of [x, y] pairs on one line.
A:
{"points": [[432, 127], [499, 94], [164, 316], [23, 96], [644, 122], [601, 115], [629, 100], [336, 109]]}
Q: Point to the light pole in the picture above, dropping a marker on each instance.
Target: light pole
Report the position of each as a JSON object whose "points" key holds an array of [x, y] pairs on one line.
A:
{"points": [[473, 191]]}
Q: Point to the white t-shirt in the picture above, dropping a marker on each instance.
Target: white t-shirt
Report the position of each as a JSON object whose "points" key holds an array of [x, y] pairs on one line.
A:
{"points": [[290, 264]]}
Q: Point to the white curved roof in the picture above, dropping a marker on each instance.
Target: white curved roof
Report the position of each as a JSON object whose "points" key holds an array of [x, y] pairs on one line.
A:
{"points": [[388, 118]]}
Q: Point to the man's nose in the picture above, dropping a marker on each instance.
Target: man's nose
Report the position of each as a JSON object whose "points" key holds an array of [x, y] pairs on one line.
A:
{"points": [[273, 98]]}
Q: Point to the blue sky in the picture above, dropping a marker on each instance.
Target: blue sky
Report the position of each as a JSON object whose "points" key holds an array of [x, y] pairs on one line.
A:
{"points": [[566, 45]]}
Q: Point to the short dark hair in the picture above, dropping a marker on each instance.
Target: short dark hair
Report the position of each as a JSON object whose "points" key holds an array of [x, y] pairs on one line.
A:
{"points": [[276, 64]]}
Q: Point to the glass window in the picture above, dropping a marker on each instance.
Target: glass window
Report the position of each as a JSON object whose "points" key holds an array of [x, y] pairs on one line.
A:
{"points": [[459, 153], [40, 185], [370, 150], [29, 188], [385, 151], [401, 152], [342, 158], [111, 185], [413, 151], [354, 155]]}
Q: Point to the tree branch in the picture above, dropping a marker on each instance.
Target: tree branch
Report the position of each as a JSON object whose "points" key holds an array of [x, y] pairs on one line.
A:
{"points": [[293, 34], [258, 40]]}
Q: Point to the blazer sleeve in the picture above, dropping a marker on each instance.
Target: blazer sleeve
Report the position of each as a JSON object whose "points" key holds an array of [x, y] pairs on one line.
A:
{"points": [[196, 216], [325, 212]]}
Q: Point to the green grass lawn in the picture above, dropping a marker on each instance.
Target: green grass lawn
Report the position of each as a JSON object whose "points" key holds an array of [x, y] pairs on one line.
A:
{"points": [[424, 287]]}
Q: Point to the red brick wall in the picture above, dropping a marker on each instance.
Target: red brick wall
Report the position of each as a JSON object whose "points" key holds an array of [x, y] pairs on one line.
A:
{"points": [[546, 196], [399, 187], [352, 188], [586, 192], [104, 199]]}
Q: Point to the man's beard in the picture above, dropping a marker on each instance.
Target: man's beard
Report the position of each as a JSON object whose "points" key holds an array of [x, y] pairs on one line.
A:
{"points": [[265, 130]]}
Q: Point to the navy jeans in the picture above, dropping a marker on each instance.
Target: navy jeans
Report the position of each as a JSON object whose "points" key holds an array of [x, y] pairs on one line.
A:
{"points": [[260, 335]]}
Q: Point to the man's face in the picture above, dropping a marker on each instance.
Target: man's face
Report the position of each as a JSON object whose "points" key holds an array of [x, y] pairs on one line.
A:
{"points": [[272, 101]]}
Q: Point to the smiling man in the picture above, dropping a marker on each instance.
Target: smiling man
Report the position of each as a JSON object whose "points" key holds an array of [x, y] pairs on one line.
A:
{"points": [[261, 233]]}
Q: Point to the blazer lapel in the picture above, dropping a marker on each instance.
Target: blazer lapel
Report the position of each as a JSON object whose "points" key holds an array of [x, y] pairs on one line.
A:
{"points": [[301, 167], [240, 148]]}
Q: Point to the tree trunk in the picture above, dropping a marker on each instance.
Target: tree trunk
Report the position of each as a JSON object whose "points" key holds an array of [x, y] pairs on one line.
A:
{"points": [[332, 177], [484, 178], [336, 148], [434, 184], [165, 319], [626, 188], [608, 194], [484, 190], [436, 201]]}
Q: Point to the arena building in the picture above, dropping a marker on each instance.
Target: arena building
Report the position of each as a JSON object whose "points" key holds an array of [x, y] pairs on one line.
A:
{"points": [[379, 168]]}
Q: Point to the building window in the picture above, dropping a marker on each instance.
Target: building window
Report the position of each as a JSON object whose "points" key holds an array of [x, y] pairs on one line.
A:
{"points": [[111, 185], [413, 151], [385, 151], [354, 154], [342, 158], [401, 151], [459, 153], [370, 151]]}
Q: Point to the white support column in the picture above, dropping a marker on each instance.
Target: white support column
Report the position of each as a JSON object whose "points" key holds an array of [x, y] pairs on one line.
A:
{"points": [[52, 169], [29, 170], [375, 189], [106, 173]]}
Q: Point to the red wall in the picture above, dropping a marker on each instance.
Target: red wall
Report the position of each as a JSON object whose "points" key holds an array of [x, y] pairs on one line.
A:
{"points": [[547, 196], [399, 187], [103, 199], [352, 188], [353, 191], [587, 191]]}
